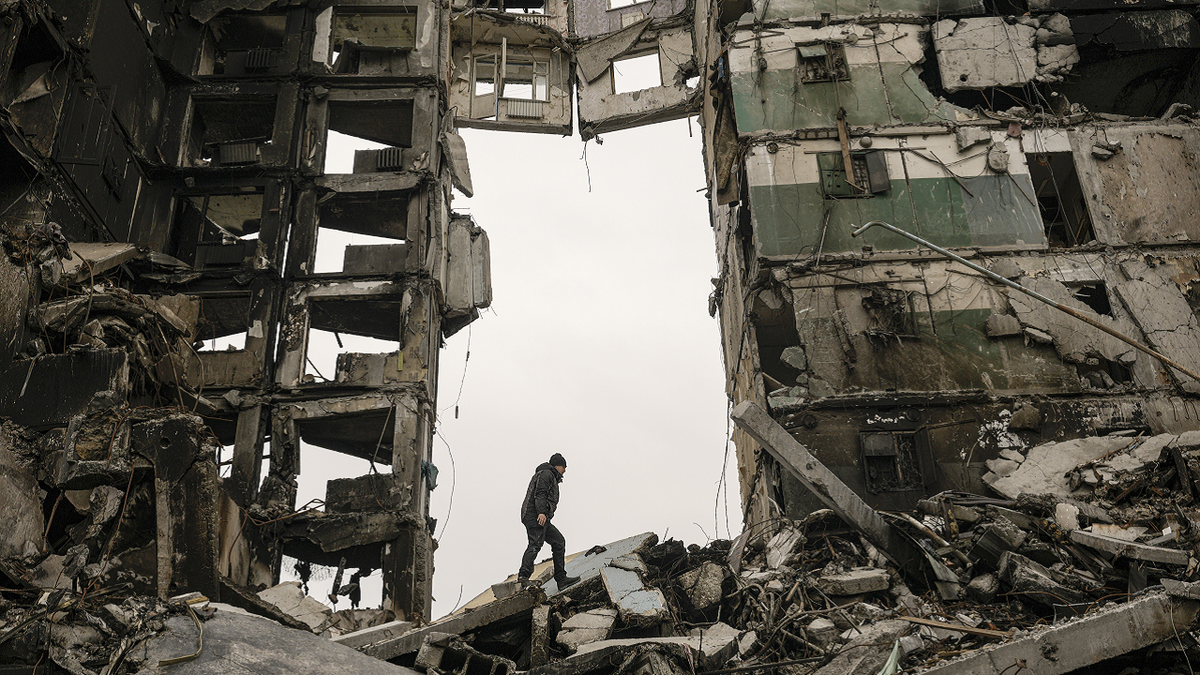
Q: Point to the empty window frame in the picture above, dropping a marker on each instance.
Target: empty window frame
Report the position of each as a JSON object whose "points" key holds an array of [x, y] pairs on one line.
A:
{"points": [[1060, 199], [618, 4], [822, 62], [243, 45], [893, 312], [522, 81], [637, 73], [218, 230], [870, 174], [526, 80], [229, 132], [894, 461]]}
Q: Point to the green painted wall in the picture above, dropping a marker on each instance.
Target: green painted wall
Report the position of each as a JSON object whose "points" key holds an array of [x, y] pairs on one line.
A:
{"points": [[778, 99], [787, 218]]}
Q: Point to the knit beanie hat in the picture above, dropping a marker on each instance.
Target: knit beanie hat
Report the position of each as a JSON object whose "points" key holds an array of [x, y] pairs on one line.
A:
{"points": [[557, 460]]}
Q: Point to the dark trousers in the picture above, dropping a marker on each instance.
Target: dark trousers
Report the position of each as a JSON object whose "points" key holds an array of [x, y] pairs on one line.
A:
{"points": [[539, 536]]}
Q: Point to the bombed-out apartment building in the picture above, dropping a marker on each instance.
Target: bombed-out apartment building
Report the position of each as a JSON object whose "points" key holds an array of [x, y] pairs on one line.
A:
{"points": [[1052, 144], [165, 191]]}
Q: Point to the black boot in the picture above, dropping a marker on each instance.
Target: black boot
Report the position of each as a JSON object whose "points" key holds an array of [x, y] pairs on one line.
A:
{"points": [[566, 581]]}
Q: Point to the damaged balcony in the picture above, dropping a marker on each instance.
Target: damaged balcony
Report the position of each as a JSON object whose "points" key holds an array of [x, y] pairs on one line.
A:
{"points": [[509, 75], [643, 74], [377, 40]]}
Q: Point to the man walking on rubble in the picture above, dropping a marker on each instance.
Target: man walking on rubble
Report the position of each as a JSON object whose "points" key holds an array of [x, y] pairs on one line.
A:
{"points": [[541, 500]]}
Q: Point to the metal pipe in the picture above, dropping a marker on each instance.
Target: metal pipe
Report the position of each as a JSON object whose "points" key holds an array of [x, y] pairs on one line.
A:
{"points": [[1033, 294]]}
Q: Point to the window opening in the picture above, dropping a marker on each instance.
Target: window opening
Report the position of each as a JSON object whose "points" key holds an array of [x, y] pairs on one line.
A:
{"points": [[224, 343], [822, 62], [526, 79], [617, 4], [636, 74], [324, 348], [230, 132], [891, 462], [243, 45], [1060, 199], [892, 312], [218, 230], [387, 123], [1093, 295], [340, 149], [332, 244], [390, 28], [870, 173]]}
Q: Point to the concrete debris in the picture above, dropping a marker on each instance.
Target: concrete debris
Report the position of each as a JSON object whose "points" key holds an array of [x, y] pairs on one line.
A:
{"points": [[290, 599], [812, 591]]}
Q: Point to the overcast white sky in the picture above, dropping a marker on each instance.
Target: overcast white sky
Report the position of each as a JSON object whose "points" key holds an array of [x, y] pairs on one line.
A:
{"points": [[598, 345]]}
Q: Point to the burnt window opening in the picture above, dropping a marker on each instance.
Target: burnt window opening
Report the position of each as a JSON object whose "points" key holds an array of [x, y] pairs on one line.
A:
{"points": [[224, 322], [380, 29], [1100, 373], [822, 62], [636, 73], [892, 461], [1060, 199], [243, 45], [1094, 296], [870, 174], [218, 230], [230, 132], [383, 126], [893, 313]]}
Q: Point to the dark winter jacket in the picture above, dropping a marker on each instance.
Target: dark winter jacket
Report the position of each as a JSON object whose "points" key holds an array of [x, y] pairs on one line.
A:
{"points": [[542, 494]]}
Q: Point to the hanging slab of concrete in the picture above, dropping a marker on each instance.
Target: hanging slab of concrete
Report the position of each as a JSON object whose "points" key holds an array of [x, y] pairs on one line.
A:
{"points": [[587, 566], [1111, 632], [94, 259], [595, 58], [1045, 467], [519, 605], [241, 644], [751, 418]]}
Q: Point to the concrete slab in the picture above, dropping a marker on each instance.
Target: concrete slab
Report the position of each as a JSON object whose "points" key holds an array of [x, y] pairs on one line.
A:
{"points": [[290, 599], [636, 604], [587, 627], [240, 644], [587, 566], [374, 634], [1045, 467], [855, 582], [1084, 642], [714, 644]]}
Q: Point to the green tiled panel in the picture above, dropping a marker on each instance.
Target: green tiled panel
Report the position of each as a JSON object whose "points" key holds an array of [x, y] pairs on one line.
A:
{"points": [[779, 100], [787, 218]]}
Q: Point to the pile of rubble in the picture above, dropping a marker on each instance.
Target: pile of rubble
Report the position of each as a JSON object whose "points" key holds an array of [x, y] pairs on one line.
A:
{"points": [[1085, 558]]}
